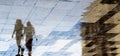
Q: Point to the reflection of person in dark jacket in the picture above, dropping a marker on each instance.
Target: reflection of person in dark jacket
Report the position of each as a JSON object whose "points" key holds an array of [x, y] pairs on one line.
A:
{"points": [[29, 32], [18, 30]]}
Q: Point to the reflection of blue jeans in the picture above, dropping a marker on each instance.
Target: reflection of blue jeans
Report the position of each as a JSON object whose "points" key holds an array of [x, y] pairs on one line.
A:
{"points": [[29, 44]]}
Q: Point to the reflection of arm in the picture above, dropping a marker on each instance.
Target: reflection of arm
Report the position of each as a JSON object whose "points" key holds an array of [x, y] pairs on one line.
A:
{"points": [[24, 30], [33, 31], [14, 31], [34, 34]]}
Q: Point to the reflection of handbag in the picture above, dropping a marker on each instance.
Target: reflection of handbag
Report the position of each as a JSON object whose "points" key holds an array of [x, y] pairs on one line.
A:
{"points": [[21, 35]]}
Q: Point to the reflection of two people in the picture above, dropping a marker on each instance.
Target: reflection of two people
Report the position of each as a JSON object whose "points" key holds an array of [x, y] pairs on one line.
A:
{"points": [[20, 31]]}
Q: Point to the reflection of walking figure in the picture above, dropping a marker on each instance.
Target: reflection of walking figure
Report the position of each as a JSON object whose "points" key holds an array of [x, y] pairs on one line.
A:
{"points": [[18, 32], [29, 31]]}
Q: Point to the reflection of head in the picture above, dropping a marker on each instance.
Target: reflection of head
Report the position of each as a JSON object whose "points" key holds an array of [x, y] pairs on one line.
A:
{"points": [[18, 22], [29, 23]]}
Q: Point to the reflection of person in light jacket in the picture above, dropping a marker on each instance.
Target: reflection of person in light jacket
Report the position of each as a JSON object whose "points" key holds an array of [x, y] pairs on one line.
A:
{"points": [[29, 32], [18, 30]]}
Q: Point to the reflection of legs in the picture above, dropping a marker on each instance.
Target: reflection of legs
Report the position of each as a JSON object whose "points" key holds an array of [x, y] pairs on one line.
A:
{"points": [[18, 40], [19, 47], [22, 51], [29, 47]]}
